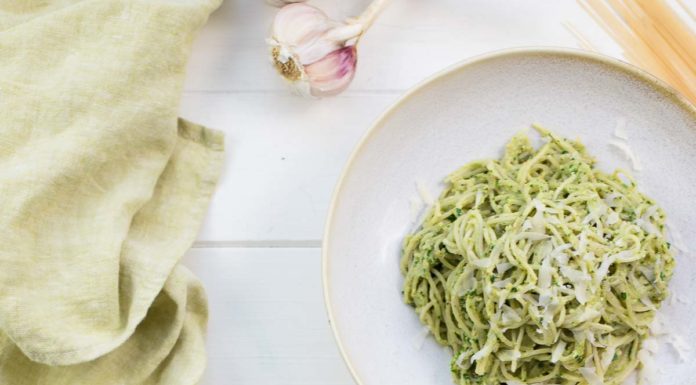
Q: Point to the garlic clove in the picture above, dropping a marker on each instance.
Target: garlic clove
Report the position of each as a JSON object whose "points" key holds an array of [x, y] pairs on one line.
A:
{"points": [[280, 3], [299, 23], [332, 74], [315, 53], [303, 31]]}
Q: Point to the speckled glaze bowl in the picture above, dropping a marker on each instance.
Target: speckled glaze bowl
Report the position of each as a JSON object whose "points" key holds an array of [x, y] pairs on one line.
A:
{"points": [[468, 112]]}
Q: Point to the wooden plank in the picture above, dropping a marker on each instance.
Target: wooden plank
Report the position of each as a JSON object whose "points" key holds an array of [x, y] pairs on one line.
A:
{"points": [[267, 323], [284, 155], [411, 40]]}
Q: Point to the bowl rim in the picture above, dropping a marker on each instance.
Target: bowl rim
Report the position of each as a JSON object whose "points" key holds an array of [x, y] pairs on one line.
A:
{"points": [[575, 53]]}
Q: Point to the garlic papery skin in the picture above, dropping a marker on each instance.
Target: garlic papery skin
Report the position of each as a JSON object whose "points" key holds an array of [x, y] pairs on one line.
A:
{"points": [[281, 3], [306, 43], [315, 54], [332, 74]]}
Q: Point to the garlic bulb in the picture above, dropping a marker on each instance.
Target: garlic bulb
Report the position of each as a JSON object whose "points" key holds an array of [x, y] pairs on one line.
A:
{"points": [[280, 3], [316, 54]]}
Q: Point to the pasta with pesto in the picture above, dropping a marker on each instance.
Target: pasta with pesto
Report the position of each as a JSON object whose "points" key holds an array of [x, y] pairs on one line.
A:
{"points": [[538, 268]]}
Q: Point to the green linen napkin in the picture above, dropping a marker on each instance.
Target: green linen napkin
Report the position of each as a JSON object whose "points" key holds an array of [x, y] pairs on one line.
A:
{"points": [[102, 190]]}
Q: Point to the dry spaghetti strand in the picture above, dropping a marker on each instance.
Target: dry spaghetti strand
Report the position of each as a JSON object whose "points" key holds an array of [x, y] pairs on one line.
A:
{"points": [[653, 36]]}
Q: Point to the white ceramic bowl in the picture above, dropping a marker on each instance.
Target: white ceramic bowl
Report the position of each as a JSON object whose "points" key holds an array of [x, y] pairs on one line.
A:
{"points": [[465, 113]]}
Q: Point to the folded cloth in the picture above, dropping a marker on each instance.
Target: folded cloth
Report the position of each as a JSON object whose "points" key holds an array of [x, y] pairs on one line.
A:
{"points": [[102, 190]]}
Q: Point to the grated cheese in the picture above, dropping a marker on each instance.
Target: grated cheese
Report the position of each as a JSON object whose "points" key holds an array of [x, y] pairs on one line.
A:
{"points": [[620, 130], [425, 193], [558, 351], [627, 153], [591, 376], [419, 338]]}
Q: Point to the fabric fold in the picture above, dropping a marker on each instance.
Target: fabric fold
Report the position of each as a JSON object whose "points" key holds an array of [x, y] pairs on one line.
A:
{"points": [[103, 190]]}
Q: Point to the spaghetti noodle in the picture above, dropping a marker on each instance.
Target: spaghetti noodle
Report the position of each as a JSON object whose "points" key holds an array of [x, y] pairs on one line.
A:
{"points": [[539, 269]]}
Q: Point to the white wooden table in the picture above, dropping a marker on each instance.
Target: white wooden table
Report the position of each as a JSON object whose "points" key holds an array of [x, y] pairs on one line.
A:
{"points": [[258, 253]]}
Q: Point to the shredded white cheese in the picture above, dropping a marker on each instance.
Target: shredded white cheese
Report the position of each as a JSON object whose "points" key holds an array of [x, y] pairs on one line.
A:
{"points": [[510, 316], [647, 272], [460, 359], [509, 355], [502, 283], [575, 276], [608, 356], [557, 351], [582, 242], [603, 270], [676, 237], [532, 236], [479, 198], [419, 339], [425, 193], [657, 327], [467, 281], [581, 292], [482, 263], [591, 376], [646, 374], [588, 314], [545, 272], [620, 130], [626, 256], [538, 222], [627, 153], [680, 346], [647, 226], [485, 351], [502, 267], [415, 206], [610, 199]]}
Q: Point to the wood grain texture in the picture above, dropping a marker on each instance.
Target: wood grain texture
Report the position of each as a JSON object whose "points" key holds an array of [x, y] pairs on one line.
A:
{"points": [[409, 41], [257, 252], [267, 322], [285, 153]]}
